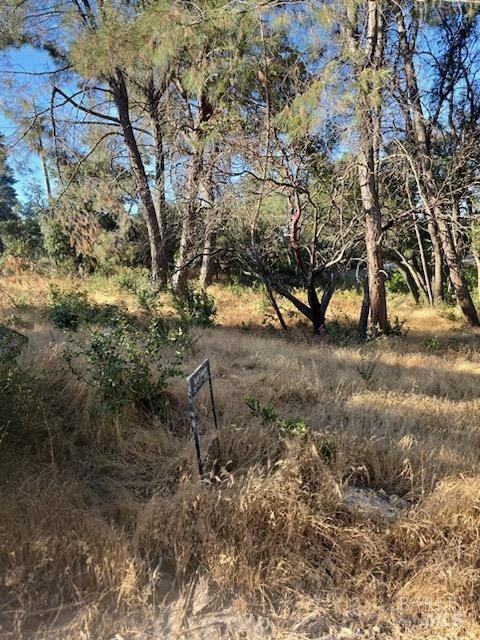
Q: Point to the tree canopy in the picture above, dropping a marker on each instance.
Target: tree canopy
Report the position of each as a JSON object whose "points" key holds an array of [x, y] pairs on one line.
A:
{"points": [[293, 142]]}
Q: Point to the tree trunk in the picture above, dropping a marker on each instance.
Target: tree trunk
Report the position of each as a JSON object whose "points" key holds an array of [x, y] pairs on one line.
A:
{"points": [[375, 271], [159, 194], [413, 276], [364, 311], [180, 276], [437, 281], [46, 173], [367, 56], [275, 306], [456, 276], [119, 88], [206, 270], [209, 242], [318, 308], [154, 98], [426, 275]]}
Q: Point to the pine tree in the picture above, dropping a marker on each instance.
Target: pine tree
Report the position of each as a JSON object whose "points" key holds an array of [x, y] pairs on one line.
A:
{"points": [[8, 195]]}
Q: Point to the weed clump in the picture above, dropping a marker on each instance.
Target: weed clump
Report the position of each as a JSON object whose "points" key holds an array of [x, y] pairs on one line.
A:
{"points": [[21, 407], [288, 427]]}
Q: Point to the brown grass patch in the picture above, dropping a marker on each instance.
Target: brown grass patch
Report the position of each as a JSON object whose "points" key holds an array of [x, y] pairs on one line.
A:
{"points": [[106, 528]]}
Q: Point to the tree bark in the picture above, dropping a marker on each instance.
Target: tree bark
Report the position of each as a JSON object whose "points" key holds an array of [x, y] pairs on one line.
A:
{"points": [[118, 86], [275, 306], [368, 56], [180, 276], [460, 286], [364, 311], [210, 237], [195, 171], [426, 275], [206, 269], [46, 172], [413, 275], [318, 307], [375, 271], [159, 178], [437, 281]]}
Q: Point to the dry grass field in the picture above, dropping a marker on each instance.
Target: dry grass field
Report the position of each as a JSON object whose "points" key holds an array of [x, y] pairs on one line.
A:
{"points": [[367, 526]]}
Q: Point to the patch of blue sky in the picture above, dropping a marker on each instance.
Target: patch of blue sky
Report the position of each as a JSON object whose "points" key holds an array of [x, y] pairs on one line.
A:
{"points": [[18, 69]]}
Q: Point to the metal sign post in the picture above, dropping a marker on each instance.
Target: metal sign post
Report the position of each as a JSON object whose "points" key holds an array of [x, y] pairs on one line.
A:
{"points": [[195, 382]]}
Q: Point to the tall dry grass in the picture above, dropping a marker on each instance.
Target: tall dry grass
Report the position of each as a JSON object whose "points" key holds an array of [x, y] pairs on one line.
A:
{"points": [[107, 532]]}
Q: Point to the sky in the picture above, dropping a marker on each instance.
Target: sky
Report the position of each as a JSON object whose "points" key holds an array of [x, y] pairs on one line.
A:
{"points": [[17, 64]]}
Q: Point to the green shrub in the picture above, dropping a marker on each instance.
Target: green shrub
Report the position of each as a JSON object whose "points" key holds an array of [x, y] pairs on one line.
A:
{"points": [[471, 277], [57, 245], [70, 309], [22, 238], [432, 345], [395, 283], [326, 445], [397, 328], [342, 332], [195, 307], [267, 413], [128, 364]]}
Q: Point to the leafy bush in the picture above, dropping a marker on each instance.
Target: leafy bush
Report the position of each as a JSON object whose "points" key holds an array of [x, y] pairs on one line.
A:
{"points": [[267, 413], [195, 307], [70, 309], [57, 245], [398, 328], [128, 364], [22, 238], [395, 283], [326, 445]]}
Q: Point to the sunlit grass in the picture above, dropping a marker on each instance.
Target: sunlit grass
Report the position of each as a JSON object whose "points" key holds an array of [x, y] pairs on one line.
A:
{"points": [[102, 518]]}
